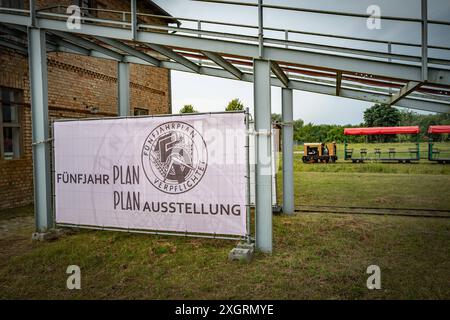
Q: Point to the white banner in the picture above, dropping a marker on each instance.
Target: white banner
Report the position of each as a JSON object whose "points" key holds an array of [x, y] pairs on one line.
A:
{"points": [[169, 173]]}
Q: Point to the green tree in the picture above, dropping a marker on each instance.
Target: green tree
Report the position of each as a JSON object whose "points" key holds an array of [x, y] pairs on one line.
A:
{"points": [[298, 125], [275, 117], [411, 118], [188, 108], [235, 105], [382, 115], [335, 133]]}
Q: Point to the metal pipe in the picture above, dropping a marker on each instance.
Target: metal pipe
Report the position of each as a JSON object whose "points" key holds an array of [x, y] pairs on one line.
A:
{"points": [[32, 4], [336, 49], [199, 28], [37, 59], [295, 31], [161, 233], [240, 25], [424, 12], [263, 172], [53, 170], [57, 15], [286, 42], [200, 32], [288, 152], [286, 38], [398, 43], [145, 116], [389, 59], [283, 42], [236, 36], [123, 88], [247, 161], [327, 12], [274, 29], [260, 28], [15, 10], [133, 19]]}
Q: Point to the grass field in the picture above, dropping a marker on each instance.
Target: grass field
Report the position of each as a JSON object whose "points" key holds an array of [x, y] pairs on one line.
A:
{"points": [[316, 256], [430, 191], [371, 184]]}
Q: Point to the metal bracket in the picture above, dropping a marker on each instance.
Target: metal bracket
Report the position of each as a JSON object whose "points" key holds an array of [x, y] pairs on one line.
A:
{"points": [[42, 141], [267, 133], [287, 123]]}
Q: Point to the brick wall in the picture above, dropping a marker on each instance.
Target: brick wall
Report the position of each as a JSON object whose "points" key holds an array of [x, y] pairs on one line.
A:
{"points": [[112, 5], [76, 84], [16, 184]]}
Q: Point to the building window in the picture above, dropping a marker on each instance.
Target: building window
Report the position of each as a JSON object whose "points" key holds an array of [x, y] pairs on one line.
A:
{"points": [[85, 3], [140, 112], [86, 7], [15, 4], [10, 130]]}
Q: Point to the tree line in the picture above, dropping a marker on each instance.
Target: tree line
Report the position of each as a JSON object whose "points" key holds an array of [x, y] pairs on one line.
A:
{"points": [[233, 105], [379, 115]]}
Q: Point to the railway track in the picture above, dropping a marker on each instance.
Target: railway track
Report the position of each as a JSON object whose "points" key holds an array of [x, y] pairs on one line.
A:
{"points": [[409, 212]]}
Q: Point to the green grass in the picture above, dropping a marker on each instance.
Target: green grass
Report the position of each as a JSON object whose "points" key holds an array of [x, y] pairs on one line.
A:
{"points": [[372, 190], [374, 167], [424, 185], [315, 257]]}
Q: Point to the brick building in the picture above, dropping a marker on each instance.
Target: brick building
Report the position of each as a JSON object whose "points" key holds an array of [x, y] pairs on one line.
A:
{"points": [[78, 86]]}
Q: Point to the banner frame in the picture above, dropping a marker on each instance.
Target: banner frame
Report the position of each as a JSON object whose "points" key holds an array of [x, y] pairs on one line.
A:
{"points": [[247, 237]]}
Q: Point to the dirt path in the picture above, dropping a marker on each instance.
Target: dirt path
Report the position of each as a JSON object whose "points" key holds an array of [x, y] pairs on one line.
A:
{"points": [[15, 237], [12, 227]]}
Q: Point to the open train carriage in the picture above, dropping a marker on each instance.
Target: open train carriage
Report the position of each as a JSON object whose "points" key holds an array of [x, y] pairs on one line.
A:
{"points": [[437, 152], [391, 154]]}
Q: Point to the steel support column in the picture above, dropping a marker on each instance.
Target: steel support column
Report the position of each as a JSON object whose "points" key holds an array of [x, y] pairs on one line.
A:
{"points": [[133, 19], [37, 60], [288, 152], [263, 155], [123, 85], [260, 29], [424, 11], [32, 4]]}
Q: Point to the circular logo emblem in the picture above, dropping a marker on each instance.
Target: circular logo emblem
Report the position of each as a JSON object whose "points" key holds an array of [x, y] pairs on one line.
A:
{"points": [[174, 157]]}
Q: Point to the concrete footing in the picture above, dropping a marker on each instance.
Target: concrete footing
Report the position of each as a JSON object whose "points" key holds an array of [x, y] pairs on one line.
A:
{"points": [[52, 234], [243, 252]]}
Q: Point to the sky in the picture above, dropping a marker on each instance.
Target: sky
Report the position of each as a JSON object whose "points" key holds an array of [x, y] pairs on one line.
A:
{"points": [[213, 94]]}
